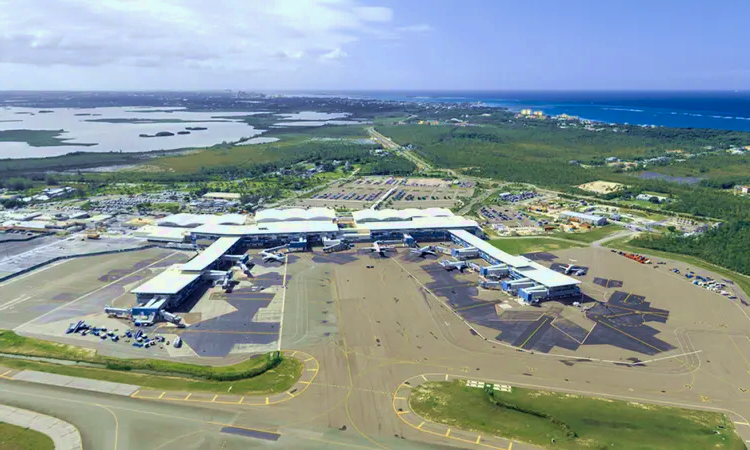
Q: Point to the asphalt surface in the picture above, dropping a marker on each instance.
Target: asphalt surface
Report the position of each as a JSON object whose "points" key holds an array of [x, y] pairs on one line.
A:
{"points": [[372, 329]]}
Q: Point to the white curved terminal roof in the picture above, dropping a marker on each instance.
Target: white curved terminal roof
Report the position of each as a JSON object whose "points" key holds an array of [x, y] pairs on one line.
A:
{"points": [[184, 220], [369, 215], [285, 215]]}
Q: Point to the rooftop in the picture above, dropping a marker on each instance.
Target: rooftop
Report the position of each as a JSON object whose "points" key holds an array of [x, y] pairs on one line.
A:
{"points": [[169, 282], [307, 226], [210, 254], [370, 215], [456, 222], [295, 214], [520, 264], [194, 220]]}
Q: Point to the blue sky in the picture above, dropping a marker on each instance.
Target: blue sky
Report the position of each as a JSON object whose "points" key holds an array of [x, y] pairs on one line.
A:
{"points": [[374, 44]]}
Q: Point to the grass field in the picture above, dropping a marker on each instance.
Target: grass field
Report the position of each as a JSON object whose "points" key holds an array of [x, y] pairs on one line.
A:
{"points": [[590, 236], [517, 246], [743, 281], [278, 379], [566, 421], [18, 438], [249, 376]]}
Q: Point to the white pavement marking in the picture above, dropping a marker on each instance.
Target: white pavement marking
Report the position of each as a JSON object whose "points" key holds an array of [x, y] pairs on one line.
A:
{"points": [[667, 357], [283, 298], [92, 292], [64, 435], [15, 301]]}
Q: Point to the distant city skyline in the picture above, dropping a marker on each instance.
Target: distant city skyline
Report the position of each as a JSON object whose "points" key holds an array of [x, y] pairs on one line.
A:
{"points": [[370, 45]]}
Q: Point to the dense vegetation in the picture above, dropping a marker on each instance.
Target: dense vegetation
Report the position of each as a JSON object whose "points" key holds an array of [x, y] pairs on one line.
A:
{"points": [[36, 138], [540, 152], [727, 246]]}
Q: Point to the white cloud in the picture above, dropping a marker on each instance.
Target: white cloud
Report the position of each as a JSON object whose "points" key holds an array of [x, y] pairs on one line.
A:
{"points": [[242, 35], [334, 55], [419, 28]]}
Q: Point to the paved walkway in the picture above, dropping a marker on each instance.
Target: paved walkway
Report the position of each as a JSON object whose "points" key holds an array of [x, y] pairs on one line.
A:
{"points": [[64, 435]]}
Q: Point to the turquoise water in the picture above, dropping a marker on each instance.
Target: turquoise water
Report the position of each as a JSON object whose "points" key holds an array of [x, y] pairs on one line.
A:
{"points": [[716, 109]]}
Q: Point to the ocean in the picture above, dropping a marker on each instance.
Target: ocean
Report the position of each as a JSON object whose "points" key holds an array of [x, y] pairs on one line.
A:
{"points": [[728, 110]]}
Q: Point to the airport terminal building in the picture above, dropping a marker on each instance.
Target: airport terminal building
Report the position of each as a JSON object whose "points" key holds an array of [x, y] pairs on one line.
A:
{"points": [[300, 229]]}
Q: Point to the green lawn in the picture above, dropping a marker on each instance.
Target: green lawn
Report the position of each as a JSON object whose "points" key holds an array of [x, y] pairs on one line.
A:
{"points": [[572, 421], [518, 246], [743, 281], [278, 379], [590, 236], [252, 376], [18, 438]]}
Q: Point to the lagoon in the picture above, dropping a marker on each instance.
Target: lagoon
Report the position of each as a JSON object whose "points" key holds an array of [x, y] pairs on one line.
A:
{"points": [[118, 129]]}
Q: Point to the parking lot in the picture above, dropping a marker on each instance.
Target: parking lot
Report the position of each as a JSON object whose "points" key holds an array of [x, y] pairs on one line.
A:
{"points": [[506, 218], [406, 193]]}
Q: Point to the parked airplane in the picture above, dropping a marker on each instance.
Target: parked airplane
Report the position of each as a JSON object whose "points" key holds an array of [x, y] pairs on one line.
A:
{"points": [[453, 265], [272, 257], [380, 249], [575, 270], [424, 251]]}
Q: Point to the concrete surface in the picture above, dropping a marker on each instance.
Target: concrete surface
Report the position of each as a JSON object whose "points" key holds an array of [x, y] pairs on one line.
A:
{"points": [[372, 329], [76, 383], [64, 435]]}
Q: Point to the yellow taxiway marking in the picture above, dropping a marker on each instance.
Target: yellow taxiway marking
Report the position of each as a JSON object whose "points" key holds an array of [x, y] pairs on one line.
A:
{"points": [[188, 396], [742, 423], [267, 401], [241, 400], [535, 331], [161, 395], [215, 397], [400, 398], [304, 382], [402, 412], [479, 438], [446, 377], [293, 353], [510, 446], [6, 373], [420, 425], [631, 336], [135, 393], [289, 393], [424, 378], [312, 370], [448, 433], [310, 359]]}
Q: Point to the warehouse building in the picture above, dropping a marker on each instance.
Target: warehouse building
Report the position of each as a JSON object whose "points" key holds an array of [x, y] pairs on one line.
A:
{"points": [[583, 218], [529, 280]]}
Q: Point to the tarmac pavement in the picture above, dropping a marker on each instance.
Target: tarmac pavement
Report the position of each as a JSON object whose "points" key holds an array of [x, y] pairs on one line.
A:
{"points": [[391, 329]]}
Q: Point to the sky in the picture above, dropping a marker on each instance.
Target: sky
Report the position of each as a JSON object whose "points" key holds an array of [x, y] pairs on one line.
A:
{"points": [[374, 44]]}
